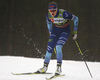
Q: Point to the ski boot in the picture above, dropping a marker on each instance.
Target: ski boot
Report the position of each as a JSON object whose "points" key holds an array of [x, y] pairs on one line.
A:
{"points": [[59, 70], [44, 69]]}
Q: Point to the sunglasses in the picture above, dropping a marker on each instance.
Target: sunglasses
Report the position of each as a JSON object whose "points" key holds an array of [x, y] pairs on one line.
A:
{"points": [[52, 10]]}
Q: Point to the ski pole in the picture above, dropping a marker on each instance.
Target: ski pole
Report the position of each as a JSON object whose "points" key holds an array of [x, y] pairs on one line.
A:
{"points": [[84, 61], [55, 50]]}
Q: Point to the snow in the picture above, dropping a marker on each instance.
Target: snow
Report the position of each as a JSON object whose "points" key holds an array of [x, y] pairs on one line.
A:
{"points": [[73, 70]]}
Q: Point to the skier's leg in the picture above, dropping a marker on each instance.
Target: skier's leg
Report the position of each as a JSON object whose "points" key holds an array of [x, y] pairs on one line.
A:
{"points": [[59, 53], [51, 44], [59, 58], [47, 57], [62, 40], [50, 48]]}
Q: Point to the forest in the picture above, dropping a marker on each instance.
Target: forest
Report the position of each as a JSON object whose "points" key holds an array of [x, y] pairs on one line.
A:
{"points": [[24, 32]]}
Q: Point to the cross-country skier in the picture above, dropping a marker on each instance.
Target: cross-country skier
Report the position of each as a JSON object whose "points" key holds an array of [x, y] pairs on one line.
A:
{"points": [[59, 34]]}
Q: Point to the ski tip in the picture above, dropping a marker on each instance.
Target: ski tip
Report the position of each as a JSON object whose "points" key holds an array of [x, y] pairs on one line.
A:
{"points": [[55, 76], [13, 73], [47, 78], [16, 73]]}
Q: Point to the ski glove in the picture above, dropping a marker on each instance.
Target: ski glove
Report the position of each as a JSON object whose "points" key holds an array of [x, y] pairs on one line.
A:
{"points": [[74, 35]]}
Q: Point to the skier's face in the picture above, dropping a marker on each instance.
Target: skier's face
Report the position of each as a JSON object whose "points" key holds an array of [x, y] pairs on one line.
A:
{"points": [[53, 12]]}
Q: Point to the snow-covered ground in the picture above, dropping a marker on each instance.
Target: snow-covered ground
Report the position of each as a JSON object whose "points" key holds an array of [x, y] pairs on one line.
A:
{"points": [[73, 70]]}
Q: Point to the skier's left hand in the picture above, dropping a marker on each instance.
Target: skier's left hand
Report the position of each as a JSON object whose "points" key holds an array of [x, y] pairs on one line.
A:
{"points": [[74, 35]]}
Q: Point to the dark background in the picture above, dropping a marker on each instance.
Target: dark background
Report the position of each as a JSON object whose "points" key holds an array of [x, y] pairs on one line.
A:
{"points": [[23, 29]]}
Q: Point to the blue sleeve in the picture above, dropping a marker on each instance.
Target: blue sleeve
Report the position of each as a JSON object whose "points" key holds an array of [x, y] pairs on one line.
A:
{"points": [[75, 19], [49, 24], [67, 15]]}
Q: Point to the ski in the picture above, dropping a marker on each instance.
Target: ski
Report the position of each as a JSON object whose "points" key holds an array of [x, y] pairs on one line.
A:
{"points": [[30, 73], [55, 76]]}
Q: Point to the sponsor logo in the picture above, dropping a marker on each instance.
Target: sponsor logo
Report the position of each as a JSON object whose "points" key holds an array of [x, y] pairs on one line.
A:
{"points": [[57, 20], [52, 20]]}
